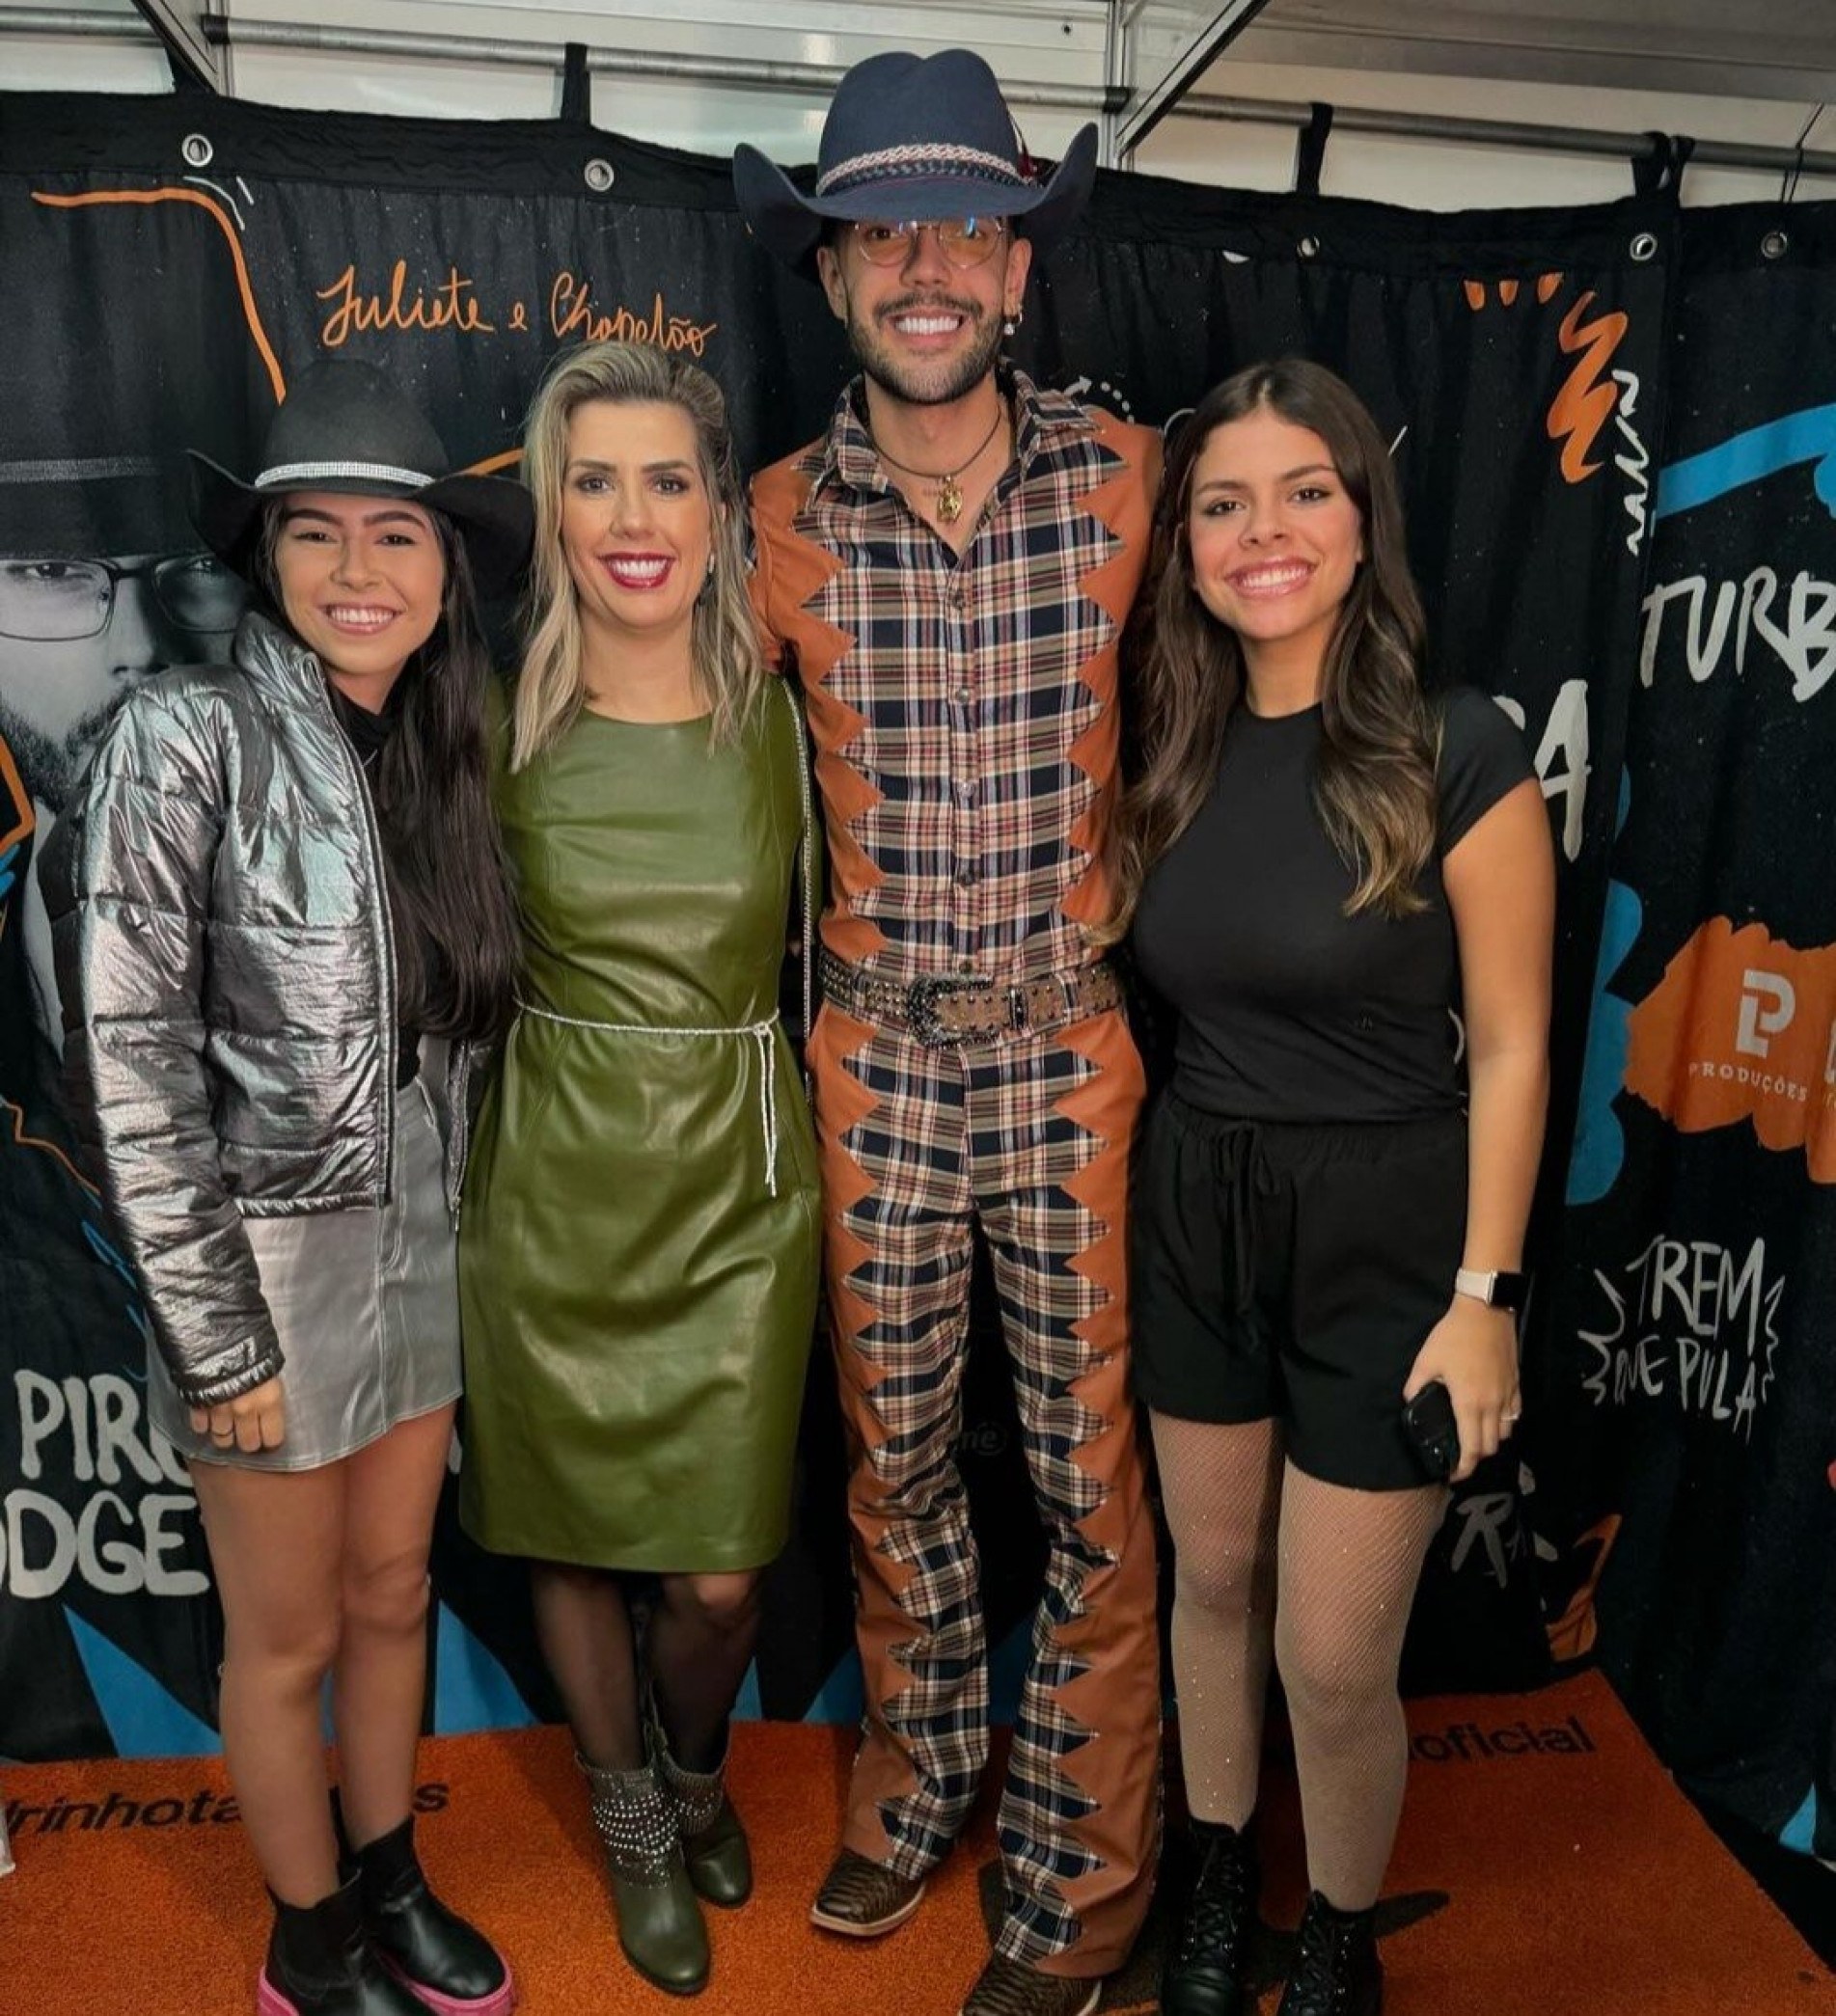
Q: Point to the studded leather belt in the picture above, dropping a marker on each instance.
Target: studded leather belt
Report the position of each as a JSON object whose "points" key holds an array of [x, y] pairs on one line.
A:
{"points": [[944, 1009]]}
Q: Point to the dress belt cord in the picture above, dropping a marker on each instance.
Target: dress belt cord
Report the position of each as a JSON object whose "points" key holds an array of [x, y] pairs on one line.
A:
{"points": [[760, 1033]]}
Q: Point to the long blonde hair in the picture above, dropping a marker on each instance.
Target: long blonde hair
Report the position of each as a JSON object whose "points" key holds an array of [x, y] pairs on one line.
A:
{"points": [[727, 663], [1374, 787]]}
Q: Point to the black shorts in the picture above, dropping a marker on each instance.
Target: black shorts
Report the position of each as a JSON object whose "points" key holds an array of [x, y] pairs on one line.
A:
{"points": [[1293, 1273]]}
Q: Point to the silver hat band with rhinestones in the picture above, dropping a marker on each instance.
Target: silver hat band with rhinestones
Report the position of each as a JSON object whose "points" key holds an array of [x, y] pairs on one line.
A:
{"points": [[341, 472]]}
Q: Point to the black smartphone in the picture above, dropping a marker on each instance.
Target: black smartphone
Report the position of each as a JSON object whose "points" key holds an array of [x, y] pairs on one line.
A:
{"points": [[1434, 1434]]}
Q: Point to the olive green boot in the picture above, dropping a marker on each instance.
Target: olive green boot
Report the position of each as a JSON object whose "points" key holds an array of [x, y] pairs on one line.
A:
{"points": [[659, 1917], [714, 1843]]}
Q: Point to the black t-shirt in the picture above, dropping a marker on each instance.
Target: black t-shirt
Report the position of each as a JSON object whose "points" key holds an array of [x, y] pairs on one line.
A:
{"points": [[1288, 1009], [369, 734]]}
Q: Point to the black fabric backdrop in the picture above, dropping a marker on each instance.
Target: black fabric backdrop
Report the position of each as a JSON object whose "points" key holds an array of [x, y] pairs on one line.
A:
{"points": [[167, 264]]}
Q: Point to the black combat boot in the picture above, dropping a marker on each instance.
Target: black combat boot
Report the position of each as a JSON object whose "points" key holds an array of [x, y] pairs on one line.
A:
{"points": [[1336, 1970], [1204, 1975]]}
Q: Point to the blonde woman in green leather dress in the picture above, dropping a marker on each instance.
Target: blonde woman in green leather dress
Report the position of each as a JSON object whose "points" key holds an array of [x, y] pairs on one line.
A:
{"points": [[638, 1248]]}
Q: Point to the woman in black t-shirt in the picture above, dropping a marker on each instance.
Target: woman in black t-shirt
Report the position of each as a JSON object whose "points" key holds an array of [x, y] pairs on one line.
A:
{"points": [[1326, 873]]}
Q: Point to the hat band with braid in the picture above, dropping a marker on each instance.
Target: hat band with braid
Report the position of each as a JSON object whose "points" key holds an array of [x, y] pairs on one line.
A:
{"points": [[930, 158]]}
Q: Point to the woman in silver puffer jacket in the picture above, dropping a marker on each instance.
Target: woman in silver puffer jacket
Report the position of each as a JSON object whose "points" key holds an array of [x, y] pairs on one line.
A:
{"points": [[281, 917]]}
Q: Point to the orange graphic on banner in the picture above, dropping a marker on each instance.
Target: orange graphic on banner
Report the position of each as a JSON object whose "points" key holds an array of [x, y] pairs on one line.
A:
{"points": [[1588, 398], [16, 816], [1475, 290], [1743, 1027], [251, 314]]}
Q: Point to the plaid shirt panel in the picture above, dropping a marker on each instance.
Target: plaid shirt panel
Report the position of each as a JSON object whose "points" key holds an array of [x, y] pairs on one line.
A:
{"points": [[959, 703]]}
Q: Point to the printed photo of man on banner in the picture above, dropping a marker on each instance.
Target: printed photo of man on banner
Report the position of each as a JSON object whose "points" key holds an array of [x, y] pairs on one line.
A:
{"points": [[102, 583]]}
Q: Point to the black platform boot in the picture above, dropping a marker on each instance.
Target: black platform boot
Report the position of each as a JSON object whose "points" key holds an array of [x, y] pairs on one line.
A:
{"points": [[1205, 1968], [444, 1963], [320, 1964], [1336, 1970]]}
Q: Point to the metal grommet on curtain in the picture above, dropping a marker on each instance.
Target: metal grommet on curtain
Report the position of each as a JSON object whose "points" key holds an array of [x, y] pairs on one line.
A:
{"points": [[197, 150], [1309, 248], [1775, 245], [1643, 247], [599, 174]]}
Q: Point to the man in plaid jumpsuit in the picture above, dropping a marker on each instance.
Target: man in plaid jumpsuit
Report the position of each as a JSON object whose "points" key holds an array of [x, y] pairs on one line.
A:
{"points": [[947, 572]]}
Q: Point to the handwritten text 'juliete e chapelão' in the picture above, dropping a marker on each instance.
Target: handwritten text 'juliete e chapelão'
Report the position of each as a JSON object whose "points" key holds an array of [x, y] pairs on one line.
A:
{"points": [[455, 303]]}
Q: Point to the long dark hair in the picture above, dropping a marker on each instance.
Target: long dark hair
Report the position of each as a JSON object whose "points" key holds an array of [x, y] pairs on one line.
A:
{"points": [[1374, 785], [459, 950]]}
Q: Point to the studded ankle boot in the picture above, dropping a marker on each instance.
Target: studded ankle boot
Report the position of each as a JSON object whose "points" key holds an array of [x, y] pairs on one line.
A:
{"points": [[714, 1844], [320, 1964], [443, 1962], [1336, 1970], [1205, 1970], [659, 1917]]}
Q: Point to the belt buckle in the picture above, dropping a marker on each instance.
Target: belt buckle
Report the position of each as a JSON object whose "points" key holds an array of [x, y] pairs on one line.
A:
{"points": [[922, 1001]]}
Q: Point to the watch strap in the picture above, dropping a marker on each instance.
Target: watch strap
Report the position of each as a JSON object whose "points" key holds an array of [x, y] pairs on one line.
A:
{"points": [[1496, 1289]]}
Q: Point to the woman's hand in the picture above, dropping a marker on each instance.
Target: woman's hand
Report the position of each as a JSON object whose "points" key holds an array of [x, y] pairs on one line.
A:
{"points": [[1474, 1350], [252, 1420]]}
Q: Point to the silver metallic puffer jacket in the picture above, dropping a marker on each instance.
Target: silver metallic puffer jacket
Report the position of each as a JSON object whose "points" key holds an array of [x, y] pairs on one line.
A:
{"points": [[227, 971]]}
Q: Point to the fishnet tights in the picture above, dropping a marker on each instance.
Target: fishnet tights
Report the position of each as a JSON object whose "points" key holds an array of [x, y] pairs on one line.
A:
{"points": [[1243, 1523]]}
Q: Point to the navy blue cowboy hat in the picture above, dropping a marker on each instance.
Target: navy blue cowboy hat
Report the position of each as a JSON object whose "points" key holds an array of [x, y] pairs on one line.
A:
{"points": [[912, 139], [347, 427]]}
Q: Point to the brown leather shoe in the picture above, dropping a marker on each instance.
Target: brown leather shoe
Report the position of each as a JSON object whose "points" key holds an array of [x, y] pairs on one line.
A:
{"points": [[1006, 1988], [861, 1899]]}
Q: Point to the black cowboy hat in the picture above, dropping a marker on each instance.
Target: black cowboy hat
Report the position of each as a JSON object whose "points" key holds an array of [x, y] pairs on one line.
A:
{"points": [[347, 427], [914, 139]]}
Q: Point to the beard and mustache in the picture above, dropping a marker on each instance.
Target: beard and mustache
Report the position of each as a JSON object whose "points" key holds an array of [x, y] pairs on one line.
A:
{"points": [[51, 766], [922, 381]]}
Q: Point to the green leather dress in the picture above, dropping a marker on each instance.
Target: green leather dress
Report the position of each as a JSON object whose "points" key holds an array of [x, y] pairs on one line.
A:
{"points": [[638, 1240]]}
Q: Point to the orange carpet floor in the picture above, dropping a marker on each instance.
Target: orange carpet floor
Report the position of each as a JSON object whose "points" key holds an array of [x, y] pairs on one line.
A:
{"points": [[1546, 1867]]}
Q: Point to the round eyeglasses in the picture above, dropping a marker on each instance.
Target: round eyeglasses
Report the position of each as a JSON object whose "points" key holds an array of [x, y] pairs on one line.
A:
{"points": [[965, 241], [58, 601]]}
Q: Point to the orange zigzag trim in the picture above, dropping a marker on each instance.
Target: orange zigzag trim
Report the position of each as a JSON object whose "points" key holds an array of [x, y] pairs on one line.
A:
{"points": [[793, 572], [1116, 1698], [1123, 504], [882, 1625]]}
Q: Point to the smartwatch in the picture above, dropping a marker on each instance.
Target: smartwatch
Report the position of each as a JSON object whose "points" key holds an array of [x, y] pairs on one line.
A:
{"points": [[1498, 1290]]}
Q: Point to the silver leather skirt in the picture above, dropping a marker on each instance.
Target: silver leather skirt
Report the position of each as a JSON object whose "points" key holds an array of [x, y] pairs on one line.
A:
{"points": [[365, 1303]]}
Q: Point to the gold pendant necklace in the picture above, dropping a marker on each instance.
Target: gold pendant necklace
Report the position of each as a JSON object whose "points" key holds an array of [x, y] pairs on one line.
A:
{"points": [[949, 502]]}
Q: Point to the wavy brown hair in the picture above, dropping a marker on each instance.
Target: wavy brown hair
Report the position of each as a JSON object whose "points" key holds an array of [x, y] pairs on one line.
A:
{"points": [[724, 640], [1375, 782]]}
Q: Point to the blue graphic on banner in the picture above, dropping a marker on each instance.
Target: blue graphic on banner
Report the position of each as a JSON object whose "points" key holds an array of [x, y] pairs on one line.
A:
{"points": [[9, 869], [1600, 1140], [841, 1697], [143, 1719], [471, 1690], [1809, 436], [1801, 1830]]}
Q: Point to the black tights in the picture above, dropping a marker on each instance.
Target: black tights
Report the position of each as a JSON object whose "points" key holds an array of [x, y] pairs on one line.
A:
{"points": [[696, 1646]]}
